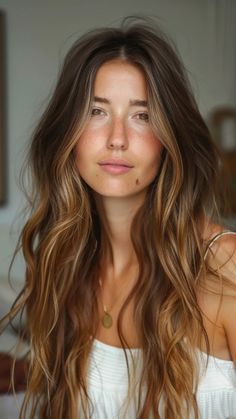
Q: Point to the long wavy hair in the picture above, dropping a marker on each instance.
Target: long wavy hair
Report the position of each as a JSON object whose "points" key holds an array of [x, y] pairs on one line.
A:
{"points": [[64, 239]]}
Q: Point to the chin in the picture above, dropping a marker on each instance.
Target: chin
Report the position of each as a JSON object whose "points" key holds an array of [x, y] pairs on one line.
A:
{"points": [[113, 194], [119, 194]]}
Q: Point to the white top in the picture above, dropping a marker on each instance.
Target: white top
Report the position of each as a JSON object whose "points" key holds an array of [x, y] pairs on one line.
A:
{"points": [[108, 382]]}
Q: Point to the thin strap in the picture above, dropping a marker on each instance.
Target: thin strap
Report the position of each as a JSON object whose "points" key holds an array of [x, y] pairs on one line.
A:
{"points": [[215, 238]]}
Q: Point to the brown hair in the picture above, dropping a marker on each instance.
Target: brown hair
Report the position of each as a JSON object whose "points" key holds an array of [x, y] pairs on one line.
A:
{"points": [[58, 240]]}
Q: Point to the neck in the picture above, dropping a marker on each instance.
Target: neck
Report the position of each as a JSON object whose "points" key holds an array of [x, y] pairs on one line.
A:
{"points": [[116, 216]]}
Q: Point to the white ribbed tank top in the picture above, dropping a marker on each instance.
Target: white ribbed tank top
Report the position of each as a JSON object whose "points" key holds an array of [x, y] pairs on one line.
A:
{"points": [[108, 383]]}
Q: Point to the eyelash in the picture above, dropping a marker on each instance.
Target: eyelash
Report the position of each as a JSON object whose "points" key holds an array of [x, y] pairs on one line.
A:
{"points": [[96, 114], [143, 116], [146, 116]]}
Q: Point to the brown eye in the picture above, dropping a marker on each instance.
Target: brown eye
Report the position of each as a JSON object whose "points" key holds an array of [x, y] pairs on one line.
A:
{"points": [[143, 116], [97, 112]]}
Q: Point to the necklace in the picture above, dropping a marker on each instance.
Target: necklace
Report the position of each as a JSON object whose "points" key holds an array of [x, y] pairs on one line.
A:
{"points": [[107, 320]]}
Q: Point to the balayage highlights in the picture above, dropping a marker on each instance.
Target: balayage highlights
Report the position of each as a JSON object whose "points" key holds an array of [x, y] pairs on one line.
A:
{"points": [[64, 239]]}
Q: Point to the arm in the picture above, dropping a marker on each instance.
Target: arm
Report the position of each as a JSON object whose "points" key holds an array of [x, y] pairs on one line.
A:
{"points": [[222, 258]]}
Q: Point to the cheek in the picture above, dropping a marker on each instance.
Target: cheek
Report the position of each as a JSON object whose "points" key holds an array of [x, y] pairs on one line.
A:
{"points": [[81, 156], [85, 146], [78, 153], [156, 147], [153, 150], [158, 151], [154, 155]]}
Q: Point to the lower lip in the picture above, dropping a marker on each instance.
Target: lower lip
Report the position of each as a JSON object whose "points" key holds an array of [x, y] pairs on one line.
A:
{"points": [[115, 169]]}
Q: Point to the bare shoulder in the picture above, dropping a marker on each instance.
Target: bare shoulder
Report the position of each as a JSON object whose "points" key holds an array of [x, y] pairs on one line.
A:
{"points": [[221, 254], [221, 259]]}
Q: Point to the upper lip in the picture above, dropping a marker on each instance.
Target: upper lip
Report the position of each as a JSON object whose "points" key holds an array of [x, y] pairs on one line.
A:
{"points": [[116, 162]]}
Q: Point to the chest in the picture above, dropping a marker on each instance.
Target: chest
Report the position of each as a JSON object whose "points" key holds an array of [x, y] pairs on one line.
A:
{"points": [[209, 305], [129, 330]]}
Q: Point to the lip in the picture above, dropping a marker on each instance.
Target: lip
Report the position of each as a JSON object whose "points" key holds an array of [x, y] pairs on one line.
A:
{"points": [[115, 162], [115, 166], [115, 169]]}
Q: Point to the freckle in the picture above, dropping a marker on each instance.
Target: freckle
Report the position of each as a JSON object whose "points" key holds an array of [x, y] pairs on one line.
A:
{"points": [[137, 182]]}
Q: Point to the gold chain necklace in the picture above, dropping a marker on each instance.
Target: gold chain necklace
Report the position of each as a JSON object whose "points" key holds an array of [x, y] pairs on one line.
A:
{"points": [[107, 320]]}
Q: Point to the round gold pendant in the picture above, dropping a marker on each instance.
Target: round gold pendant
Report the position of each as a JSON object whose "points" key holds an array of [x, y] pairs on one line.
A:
{"points": [[107, 320]]}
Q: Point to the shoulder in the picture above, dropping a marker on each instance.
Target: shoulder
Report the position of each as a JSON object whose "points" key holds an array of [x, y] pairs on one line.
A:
{"points": [[221, 260], [221, 253]]}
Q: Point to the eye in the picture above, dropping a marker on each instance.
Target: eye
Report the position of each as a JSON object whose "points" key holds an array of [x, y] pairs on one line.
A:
{"points": [[97, 112], [143, 116]]}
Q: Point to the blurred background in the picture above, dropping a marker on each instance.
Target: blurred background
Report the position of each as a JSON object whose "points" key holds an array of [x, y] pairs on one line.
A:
{"points": [[34, 38], [37, 36]]}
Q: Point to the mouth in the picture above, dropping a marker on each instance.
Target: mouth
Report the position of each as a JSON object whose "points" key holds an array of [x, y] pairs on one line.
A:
{"points": [[115, 162], [115, 167]]}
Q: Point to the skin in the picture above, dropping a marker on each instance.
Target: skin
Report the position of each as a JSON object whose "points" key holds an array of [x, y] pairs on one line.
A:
{"points": [[119, 129], [221, 258]]}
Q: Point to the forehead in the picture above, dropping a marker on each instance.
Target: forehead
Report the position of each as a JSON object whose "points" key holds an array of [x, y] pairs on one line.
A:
{"points": [[120, 75]]}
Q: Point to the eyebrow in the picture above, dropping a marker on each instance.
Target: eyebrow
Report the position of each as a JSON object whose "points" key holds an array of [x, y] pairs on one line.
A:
{"points": [[134, 102]]}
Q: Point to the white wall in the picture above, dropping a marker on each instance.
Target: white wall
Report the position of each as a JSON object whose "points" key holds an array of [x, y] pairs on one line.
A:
{"points": [[40, 32]]}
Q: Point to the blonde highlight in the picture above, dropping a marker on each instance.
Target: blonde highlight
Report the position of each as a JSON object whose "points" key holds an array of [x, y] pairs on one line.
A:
{"points": [[64, 240]]}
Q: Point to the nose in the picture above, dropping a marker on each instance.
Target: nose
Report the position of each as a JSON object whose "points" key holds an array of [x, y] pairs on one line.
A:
{"points": [[117, 138]]}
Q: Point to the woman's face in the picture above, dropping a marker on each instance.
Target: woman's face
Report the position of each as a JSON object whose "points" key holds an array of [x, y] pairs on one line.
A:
{"points": [[118, 154]]}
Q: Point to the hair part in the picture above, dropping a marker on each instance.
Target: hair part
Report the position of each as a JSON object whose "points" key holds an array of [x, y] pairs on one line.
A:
{"points": [[58, 240]]}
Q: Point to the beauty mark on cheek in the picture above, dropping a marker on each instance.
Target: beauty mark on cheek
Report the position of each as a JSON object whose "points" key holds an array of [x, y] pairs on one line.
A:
{"points": [[137, 182]]}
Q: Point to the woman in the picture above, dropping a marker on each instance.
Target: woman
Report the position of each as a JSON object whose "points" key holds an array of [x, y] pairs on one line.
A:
{"points": [[121, 248]]}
